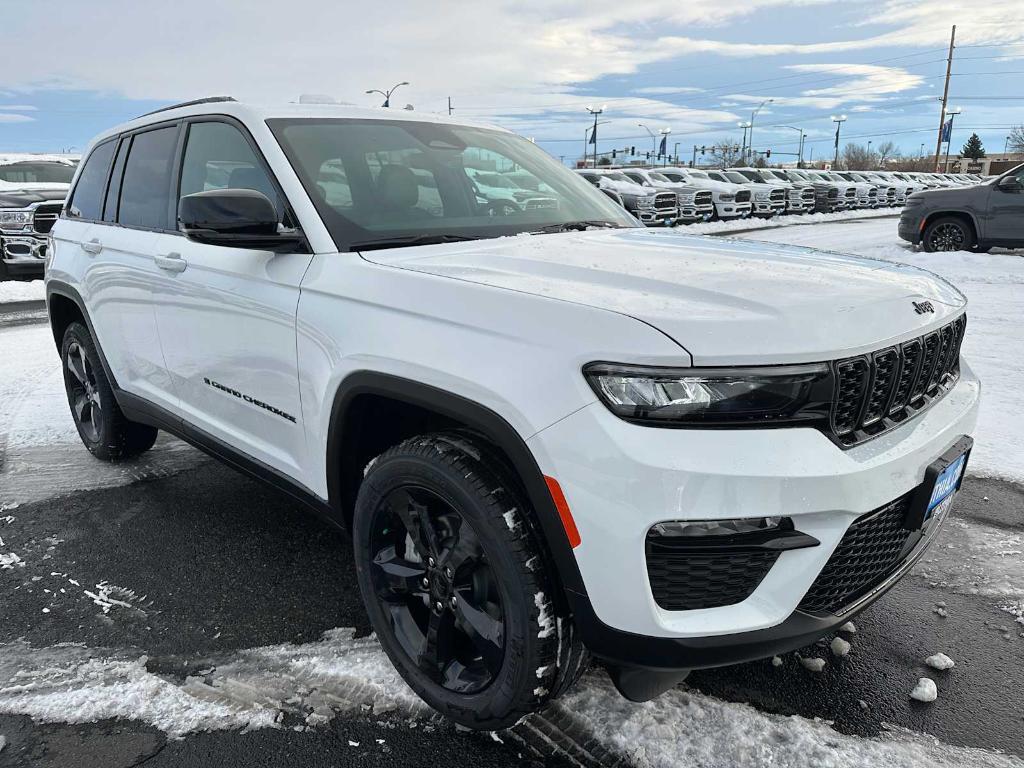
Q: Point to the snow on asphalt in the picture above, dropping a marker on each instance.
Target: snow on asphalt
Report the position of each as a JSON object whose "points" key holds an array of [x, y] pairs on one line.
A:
{"points": [[341, 673], [994, 286], [14, 290]]}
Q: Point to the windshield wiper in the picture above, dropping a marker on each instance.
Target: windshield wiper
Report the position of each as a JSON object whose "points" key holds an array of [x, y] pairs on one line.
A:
{"points": [[408, 240], [576, 226]]}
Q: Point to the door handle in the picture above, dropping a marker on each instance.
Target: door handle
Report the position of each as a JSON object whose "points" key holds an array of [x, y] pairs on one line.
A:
{"points": [[93, 246], [172, 262]]}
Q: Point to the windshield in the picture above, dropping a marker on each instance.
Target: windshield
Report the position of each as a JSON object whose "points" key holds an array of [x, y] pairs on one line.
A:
{"points": [[751, 176], [374, 181], [798, 175], [699, 175], [620, 177], [37, 173], [736, 177]]}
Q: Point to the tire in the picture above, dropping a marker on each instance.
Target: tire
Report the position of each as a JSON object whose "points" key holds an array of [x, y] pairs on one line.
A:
{"points": [[949, 233], [445, 548], [104, 429]]}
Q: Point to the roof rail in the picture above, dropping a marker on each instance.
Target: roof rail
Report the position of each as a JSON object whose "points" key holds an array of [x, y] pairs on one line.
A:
{"points": [[207, 100]]}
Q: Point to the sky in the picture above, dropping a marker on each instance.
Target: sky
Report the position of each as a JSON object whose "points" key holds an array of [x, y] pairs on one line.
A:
{"points": [[70, 69]]}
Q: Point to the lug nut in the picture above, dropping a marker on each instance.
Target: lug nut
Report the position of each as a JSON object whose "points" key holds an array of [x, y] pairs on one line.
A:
{"points": [[454, 602], [430, 562], [448, 572], [439, 605], [425, 582]]}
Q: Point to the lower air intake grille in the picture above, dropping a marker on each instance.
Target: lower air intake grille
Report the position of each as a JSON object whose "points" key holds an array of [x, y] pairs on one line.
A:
{"points": [[684, 580], [872, 548]]}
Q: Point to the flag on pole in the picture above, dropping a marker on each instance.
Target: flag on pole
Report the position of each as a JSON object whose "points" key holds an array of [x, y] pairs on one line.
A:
{"points": [[663, 149], [947, 129], [593, 136]]}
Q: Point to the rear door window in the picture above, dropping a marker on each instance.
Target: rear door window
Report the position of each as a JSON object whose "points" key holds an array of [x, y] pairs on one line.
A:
{"points": [[146, 186], [87, 199]]}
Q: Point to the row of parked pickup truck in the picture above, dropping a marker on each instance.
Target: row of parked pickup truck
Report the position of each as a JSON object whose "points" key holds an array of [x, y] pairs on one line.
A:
{"points": [[673, 195]]}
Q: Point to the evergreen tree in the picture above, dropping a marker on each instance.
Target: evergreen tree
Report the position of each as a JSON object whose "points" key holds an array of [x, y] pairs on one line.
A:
{"points": [[973, 148]]}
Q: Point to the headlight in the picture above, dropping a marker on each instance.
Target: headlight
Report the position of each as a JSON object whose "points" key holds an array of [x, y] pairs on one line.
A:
{"points": [[725, 198], [14, 219], [767, 395]]}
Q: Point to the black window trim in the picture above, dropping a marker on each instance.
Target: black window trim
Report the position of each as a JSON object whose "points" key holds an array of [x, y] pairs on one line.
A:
{"points": [[66, 211], [129, 136], [288, 212]]}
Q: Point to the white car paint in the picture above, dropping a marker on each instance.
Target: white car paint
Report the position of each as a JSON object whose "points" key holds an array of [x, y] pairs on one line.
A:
{"points": [[509, 323]]}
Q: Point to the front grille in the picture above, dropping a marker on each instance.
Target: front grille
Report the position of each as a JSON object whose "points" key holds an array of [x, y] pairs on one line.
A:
{"points": [[45, 217], [833, 193], [664, 201], [684, 580], [704, 199], [872, 548], [851, 193], [876, 392], [777, 196], [795, 194], [743, 196]]}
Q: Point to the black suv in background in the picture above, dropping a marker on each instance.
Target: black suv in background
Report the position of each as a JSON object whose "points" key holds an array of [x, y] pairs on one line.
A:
{"points": [[974, 218]]}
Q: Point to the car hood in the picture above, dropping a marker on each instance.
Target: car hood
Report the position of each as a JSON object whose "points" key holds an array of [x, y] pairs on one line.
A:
{"points": [[23, 195], [725, 301]]}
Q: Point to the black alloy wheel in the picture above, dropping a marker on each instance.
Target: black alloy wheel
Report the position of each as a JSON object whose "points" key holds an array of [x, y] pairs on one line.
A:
{"points": [[103, 427], [83, 393], [429, 569], [947, 234]]}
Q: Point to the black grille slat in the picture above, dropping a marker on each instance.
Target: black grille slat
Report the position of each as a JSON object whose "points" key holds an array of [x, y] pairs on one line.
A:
{"points": [[851, 383], [664, 200], [871, 549], [911, 352], [885, 369], [931, 351], [45, 216], [876, 392], [684, 580], [743, 196]]}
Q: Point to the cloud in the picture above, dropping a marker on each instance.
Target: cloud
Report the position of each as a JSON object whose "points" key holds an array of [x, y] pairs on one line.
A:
{"points": [[17, 108], [14, 117], [667, 90], [865, 83]]}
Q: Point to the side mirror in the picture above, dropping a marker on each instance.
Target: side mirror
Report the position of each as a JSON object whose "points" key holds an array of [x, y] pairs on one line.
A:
{"points": [[239, 218], [1010, 184]]}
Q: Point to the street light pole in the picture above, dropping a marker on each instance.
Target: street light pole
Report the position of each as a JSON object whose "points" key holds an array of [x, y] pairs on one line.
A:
{"points": [[838, 120], [387, 94], [869, 154], [952, 113], [654, 139], [750, 147], [800, 149], [743, 149], [593, 136]]}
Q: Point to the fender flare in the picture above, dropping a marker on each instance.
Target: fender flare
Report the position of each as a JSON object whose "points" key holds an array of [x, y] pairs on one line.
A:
{"points": [[491, 425], [66, 291]]}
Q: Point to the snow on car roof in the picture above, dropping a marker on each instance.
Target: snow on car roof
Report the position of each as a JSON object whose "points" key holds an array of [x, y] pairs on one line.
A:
{"points": [[10, 158]]}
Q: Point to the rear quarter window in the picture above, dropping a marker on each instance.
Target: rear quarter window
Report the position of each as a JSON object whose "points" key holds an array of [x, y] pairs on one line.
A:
{"points": [[91, 188]]}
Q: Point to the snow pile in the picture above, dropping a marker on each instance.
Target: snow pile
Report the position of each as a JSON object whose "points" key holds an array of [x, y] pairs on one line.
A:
{"points": [[975, 559], [925, 690], [849, 628], [16, 290], [994, 285], [812, 664], [940, 661], [249, 690], [839, 647], [684, 728]]}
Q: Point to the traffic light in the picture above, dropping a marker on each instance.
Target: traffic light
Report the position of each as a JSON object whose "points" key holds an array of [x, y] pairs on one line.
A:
{"points": [[767, 153], [632, 150], [648, 155], [613, 154], [702, 149]]}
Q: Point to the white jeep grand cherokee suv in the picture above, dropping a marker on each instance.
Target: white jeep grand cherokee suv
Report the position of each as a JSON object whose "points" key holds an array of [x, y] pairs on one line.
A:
{"points": [[551, 432]]}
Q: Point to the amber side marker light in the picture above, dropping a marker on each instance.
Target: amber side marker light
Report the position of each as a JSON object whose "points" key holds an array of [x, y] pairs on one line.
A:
{"points": [[571, 532]]}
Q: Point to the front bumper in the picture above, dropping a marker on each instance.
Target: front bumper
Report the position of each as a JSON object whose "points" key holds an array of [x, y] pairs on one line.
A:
{"points": [[732, 210], [23, 255], [620, 479], [909, 228]]}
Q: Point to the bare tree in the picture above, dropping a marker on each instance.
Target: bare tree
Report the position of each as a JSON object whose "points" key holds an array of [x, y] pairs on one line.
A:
{"points": [[1015, 141], [725, 154], [887, 151], [856, 157]]}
